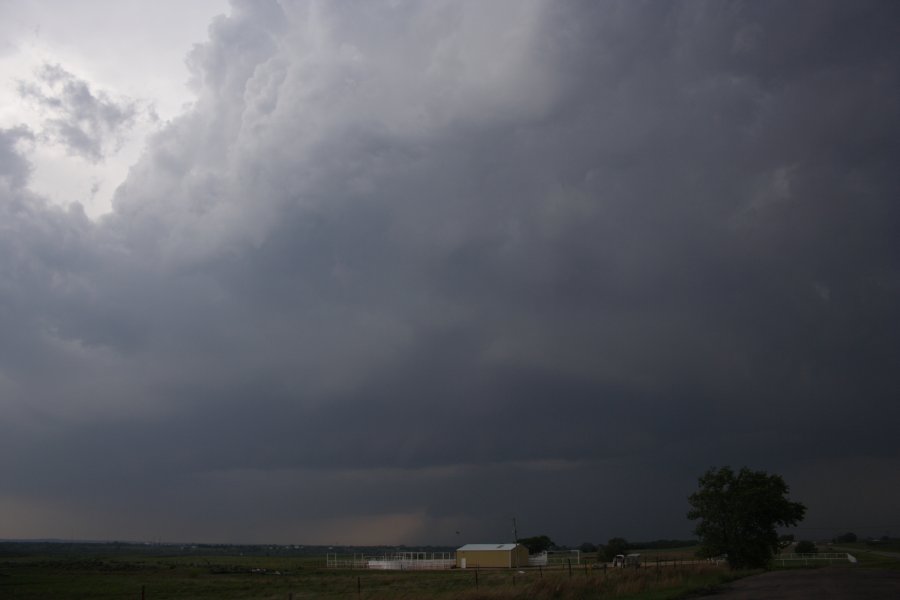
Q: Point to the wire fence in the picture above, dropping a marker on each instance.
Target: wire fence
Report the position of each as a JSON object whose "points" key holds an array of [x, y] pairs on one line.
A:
{"points": [[550, 561], [555, 558], [786, 560], [396, 561]]}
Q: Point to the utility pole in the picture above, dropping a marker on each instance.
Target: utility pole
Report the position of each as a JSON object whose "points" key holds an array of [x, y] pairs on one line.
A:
{"points": [[515, 542]]}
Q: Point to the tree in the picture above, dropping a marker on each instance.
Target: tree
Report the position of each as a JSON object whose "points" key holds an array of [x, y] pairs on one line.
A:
{"points": [[805, 547], [537, 544], [614, 547], [739, 512], [586, 547], [846, 538]]}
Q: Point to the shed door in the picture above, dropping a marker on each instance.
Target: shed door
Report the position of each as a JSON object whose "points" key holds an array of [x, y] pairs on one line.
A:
{"points": [[463, 563]]}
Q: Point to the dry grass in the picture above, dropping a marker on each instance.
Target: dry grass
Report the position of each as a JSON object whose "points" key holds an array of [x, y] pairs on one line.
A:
{"points": [[620, 584]]}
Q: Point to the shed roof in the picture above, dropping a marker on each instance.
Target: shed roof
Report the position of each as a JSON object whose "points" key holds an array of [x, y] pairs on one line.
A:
{"points": [[486, 547]]}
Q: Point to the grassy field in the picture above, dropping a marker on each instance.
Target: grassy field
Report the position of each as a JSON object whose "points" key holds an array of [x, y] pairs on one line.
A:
{"points": [[200, 577], [870, 555]]}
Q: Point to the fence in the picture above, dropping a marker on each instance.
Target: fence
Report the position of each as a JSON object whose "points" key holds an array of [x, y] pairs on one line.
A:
{"points": [[563, 559], [398, 561], [344, 561], [807, 559], [555, 558]]}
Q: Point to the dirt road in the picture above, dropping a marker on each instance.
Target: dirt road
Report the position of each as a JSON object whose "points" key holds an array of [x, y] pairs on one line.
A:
{"points": [[830, 583]]}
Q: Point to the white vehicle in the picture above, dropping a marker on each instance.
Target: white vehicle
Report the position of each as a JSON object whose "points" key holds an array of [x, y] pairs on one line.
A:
{"points": [[630, 560]]}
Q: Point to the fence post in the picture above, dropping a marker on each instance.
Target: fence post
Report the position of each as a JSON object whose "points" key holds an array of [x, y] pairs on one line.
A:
{"points": [[541, 571], [358, 586], [476, 577], [569, 561], [142, 592]]}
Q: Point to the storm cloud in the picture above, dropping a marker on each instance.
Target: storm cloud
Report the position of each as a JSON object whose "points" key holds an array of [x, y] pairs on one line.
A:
{"points": [[405, 269], [87, 123]]}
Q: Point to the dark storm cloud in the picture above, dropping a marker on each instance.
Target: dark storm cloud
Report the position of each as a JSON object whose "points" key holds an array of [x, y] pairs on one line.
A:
{"points": [[87, 122], [398, 257]]}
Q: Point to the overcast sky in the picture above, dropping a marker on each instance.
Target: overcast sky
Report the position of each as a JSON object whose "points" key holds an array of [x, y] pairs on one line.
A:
{"points": [[397, 272]]}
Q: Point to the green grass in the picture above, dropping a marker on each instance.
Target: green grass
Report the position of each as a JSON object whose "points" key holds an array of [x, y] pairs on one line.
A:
{"points": [[232, 577], [870, 559], [869, 555]]}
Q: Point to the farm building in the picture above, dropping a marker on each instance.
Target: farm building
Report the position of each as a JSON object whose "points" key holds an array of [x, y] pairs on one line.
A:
{"points": [[484, 556]]}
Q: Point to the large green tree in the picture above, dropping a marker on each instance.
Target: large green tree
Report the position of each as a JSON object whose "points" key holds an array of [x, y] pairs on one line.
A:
{"points": [[739, 513]]}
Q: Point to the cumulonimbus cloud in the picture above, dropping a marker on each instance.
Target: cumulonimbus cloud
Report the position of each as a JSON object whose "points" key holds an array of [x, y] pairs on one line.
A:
{"points": [[451, 241]]}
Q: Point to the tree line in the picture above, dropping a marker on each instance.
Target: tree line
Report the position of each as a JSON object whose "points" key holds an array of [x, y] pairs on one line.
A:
{"points": [[738, 513]]}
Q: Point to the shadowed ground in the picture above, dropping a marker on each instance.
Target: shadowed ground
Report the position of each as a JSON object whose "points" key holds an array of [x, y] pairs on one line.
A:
{"points": [[837, 583]]}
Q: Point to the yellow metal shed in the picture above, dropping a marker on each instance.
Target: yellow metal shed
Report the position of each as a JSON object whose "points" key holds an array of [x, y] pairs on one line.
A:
{"points": [[488, 556]]}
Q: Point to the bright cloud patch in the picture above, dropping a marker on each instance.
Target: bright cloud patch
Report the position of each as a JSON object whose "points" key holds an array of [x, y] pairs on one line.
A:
{"points": [[87, 122]]}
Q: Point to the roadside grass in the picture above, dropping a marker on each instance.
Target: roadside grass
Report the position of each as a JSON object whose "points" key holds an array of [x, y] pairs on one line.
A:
{"points": [[640, 584], [881, 555], [868, 558]]}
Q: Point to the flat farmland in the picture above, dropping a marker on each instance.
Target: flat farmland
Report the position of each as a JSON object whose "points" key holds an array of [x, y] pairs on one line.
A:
{"points": [[99, 576]]}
